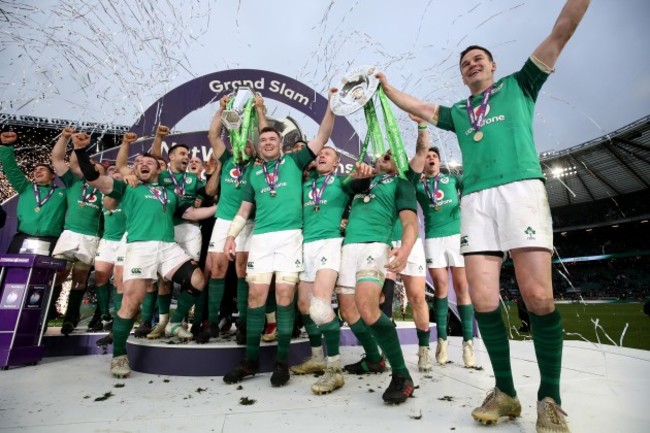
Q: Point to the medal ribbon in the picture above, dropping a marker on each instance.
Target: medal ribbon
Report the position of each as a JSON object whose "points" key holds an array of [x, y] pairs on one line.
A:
{"points": [[427, 188], [376, 181], [477, 119], [179, 189], [316, 193], [240, 172], [84, 190], [161, 195], [37, 196], [276, 174]]}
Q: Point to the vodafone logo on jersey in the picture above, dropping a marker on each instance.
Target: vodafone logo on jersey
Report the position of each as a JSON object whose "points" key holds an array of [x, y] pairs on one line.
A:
{"points": [[487, 110]]}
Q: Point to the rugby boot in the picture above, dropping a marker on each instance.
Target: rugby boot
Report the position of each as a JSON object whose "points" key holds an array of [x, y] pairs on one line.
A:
{"points": [[551, 417], [177, 330], [330, 381], [496, 405], [142, 330], [120, 367], [441, 351], [280, 375], [311, 364], [243, 369], [399, 389], [469, 357], [424, 359], [364, 366]]}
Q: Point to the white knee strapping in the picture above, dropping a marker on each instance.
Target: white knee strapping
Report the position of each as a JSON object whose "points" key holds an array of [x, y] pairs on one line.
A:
{"points": [[287, 277], [320, 311], [261, 278]]}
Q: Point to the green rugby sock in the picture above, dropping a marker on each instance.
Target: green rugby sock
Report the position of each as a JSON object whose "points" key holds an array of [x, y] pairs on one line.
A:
{"points": [[367, 340], [442, 306], [466, 313], [332, 333], [164, 302], [117, 300], [313, 332], [423, 337], [493, 332], [103, 298], [148, 306], [216, 288], [286, 314], [547, 338], [121, 330], [386, 336], [254, 328], [185, 301]]}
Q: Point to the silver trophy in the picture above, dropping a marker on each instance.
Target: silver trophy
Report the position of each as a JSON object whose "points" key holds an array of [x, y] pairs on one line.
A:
{"points": [[356, 88], [232, 118]]}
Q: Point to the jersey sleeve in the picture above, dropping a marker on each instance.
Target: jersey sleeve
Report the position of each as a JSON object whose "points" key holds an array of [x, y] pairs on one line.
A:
{"points": [[225, 156], [119, 189], [16, 177], [412, 176], [445, 121], [531, 78], [405, 196], [303, 157], [68, 179]]}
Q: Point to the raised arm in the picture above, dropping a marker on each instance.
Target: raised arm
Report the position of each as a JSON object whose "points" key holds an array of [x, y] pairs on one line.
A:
{"points": [[326, 127], [567, 22], [258, 103], [213, 169], [58, 151], [214, 133], [421, 147], [102, 182], [156, 146], [122, 160], [16, 177], [408, 103]]}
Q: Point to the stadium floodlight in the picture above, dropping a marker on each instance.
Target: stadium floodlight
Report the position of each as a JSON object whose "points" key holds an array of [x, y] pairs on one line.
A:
{"points": [[557, 171], [453, 164]]}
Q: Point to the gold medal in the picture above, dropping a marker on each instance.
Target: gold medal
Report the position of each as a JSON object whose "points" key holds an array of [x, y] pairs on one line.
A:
{"points": [[82, 203], [436, 207], [273, 193], [366, 198], [316, 208], [478, 136], [37, 209]]}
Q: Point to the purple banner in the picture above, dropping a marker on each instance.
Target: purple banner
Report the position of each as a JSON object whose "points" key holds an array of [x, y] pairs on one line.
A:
{"points": [[188, 97]]}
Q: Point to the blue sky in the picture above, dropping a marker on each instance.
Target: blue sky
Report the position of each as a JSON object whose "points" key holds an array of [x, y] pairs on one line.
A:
{"points": [[108, 62]]}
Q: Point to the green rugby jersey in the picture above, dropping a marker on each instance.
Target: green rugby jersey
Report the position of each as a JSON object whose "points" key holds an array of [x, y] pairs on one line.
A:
{"points": [[446, 220], [373, 221], [49, 219], [231, 196], [114, 224], [146, 218], [324, 223], [190, 184], [507, 151], [84, 206], [284, 211]]}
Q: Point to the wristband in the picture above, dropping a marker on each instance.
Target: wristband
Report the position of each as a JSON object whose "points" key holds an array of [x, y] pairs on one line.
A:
{"points": [[236, 226], [87, 167], [422, 127]]}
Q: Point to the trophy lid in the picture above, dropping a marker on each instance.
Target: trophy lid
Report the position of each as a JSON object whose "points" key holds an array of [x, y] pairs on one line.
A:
{"points": [[357, 87]]}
